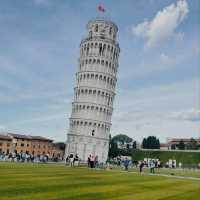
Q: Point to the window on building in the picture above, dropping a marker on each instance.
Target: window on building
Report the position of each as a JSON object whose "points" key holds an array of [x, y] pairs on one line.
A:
{"points": [[27, 145], [110, 32], [100, 49], [114, 36], [96, 28], [87, 51], [0, 144], [90, 34], [92, 132], [22, 144]]}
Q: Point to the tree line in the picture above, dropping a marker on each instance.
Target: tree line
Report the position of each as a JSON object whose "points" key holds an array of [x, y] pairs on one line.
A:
{"points": [[151, 142]]}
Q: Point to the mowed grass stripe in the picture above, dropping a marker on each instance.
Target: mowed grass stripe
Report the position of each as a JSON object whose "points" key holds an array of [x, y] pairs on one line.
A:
{"points": [[105, 192], [35, 181]]}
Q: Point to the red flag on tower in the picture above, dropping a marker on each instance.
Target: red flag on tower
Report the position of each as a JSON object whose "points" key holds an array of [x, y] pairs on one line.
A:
{"points": [[101, 8]]}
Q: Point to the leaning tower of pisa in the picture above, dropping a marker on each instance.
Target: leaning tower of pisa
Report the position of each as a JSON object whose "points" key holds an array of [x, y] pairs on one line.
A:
{"points": [[94, 92]]}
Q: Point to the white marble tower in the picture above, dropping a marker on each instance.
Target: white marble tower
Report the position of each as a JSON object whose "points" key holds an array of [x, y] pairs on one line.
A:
{"points": [[94, 92]]}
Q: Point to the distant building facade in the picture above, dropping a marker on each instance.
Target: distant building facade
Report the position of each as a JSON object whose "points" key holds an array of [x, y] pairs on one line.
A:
{"points": [[173, 143], [5, 144], [35, 145], [58, 150], [164, 146], [20, 143], [41, 145]]}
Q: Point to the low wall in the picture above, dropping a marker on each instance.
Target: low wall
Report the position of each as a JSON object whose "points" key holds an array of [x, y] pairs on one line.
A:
{"points": [[185, 157]]}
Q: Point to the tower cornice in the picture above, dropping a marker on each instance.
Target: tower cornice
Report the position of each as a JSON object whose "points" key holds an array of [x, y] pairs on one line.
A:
{"points": [[90, 87], [89, 119]]}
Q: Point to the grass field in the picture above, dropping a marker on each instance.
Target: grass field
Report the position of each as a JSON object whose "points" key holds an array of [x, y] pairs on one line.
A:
{"points": [[57, 182]]}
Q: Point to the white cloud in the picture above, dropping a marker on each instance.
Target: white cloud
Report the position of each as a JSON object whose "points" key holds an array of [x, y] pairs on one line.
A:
{"points": [[165, 59], [179, 36], [152, 110], [2, 127], [41, 119], [148, 67], [163, 25], [188, 115]]}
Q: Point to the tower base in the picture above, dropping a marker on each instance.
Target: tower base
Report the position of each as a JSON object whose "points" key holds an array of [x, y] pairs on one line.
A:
{"points": [[85, 146]]}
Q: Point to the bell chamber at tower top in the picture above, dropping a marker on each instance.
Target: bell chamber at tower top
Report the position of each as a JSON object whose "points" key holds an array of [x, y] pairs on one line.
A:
{"points": [[102, 29]]}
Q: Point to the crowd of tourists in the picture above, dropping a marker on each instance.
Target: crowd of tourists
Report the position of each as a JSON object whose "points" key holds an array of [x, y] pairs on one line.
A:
{"points": [[72, 160], [127, 163], [148, 163], [92, 161], [152, 164], [26, 157]]}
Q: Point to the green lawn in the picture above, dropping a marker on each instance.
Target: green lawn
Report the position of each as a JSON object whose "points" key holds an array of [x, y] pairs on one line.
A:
{"points": [[57, 182]]}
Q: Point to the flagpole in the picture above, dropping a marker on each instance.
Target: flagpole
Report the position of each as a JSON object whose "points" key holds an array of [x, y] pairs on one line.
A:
{"points": [[102, 14]]}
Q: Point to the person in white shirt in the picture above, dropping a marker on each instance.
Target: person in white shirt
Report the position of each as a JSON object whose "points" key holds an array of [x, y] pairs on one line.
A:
{"points": [[71, 160]]}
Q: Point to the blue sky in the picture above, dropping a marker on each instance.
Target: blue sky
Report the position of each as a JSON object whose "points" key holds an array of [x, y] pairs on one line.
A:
{"points": [[158, 88]]}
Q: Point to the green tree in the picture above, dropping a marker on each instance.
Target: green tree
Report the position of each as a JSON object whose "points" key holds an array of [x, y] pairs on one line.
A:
{"points": [[192, 144], [181, 145], [134, 145], [144, 143], [114, 151], [122, 138], [151, 142]]}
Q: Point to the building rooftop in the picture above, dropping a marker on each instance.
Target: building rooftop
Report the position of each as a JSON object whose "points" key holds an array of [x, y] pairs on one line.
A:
{"points": [[40, 138], [5, 137], [164, 145], [102, 20], [184, 139], [20, 136]]}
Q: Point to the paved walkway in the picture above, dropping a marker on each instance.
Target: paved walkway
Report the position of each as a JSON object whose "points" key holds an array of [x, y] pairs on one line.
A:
{"points": [[167, 175]]}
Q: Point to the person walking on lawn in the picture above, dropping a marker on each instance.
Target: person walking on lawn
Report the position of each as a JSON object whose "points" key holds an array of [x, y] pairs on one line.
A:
{"points": [[126, 163], [152, 167], [141, 165]]}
